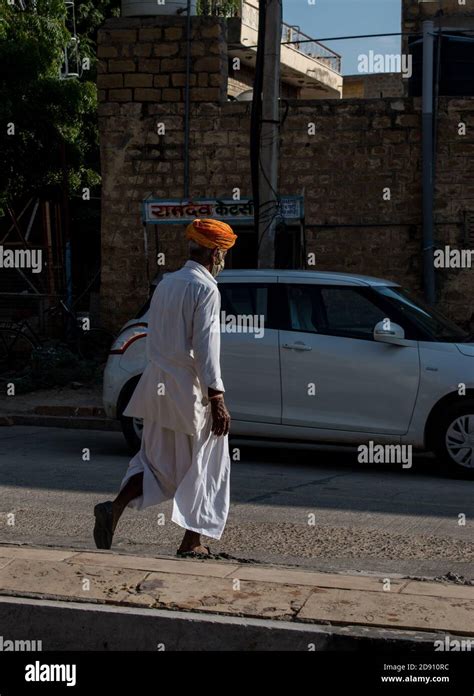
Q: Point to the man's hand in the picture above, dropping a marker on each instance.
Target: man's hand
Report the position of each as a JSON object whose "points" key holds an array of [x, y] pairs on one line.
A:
{"points": [[220, 416]]}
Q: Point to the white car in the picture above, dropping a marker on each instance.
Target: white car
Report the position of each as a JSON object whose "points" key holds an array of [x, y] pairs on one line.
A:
{"points": [[342, 359]]}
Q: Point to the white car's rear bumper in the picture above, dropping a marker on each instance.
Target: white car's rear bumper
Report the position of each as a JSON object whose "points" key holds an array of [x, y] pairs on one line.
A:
{"points": [[115, 378]]}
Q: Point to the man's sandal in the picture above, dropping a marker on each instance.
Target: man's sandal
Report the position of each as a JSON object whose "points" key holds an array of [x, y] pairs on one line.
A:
{"points": [[194, 554], [103, 528]]}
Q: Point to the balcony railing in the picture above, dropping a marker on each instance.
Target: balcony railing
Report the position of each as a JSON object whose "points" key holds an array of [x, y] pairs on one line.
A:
{"points": [[304, 43]]}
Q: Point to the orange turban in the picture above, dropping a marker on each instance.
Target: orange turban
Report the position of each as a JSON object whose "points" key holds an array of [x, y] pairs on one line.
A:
{"points": [[213, 234]]}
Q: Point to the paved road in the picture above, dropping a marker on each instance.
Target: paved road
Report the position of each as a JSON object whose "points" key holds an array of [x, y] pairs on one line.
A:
{"points": [[366, 518]]}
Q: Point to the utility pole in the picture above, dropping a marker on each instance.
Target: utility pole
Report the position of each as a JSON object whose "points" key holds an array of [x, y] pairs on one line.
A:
{"points": [[270, 136], [427, 148]]}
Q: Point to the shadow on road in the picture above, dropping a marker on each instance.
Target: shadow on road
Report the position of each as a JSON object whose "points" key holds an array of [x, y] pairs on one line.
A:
{"points": [[93, 461]]}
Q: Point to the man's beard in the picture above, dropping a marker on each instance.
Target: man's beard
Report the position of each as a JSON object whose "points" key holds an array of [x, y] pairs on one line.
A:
{"points": [[216, 268]]}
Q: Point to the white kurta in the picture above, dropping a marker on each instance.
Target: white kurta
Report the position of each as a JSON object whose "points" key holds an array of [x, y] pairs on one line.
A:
{"points": [[181, 459]]}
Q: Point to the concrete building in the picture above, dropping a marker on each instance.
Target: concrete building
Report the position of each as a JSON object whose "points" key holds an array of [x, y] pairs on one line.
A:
{"points": [[309, 70]]}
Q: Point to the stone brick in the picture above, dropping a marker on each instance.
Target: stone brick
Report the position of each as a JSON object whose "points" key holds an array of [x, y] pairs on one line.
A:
{"points": [[108, 109], [131, 110], [396, 136], [162, 167], [408, 120], [107, 52], [218, 49], [142, 50], [215, 138], [173, 33], [170, 94], [150, 34], [153, 95], [203, 80], [179, 79], [174, 138], [138, 80], [173, 65], [117, 35], [212, 32], [149, 65], [215, 80], [205, 94], [161, 80], [102, 95], [197, 49], [120, 95], [207, 64], [165, 49], [122, 66], [381, 122], [109, 81]]}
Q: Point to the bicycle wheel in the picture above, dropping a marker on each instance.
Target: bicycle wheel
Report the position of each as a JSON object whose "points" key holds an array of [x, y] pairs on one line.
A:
{"points": [[15, 353], [94, 345]]}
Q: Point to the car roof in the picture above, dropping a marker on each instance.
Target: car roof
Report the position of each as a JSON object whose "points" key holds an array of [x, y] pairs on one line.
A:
{"points": [[319, 276]]}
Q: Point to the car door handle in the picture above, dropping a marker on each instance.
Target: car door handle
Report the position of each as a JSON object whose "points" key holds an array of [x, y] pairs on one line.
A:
{"points": [[296, 346]]}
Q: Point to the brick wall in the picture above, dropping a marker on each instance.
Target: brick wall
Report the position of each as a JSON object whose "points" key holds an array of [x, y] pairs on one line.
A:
{"points": [[144, 60], [360, 147], [373, 86]]}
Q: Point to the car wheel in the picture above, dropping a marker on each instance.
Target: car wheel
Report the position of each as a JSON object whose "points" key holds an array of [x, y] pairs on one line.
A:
{"points": [[454, 439], [132, 428]]}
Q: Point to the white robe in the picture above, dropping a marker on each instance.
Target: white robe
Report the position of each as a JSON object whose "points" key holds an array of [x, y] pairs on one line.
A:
{"points": [[181, 459]]}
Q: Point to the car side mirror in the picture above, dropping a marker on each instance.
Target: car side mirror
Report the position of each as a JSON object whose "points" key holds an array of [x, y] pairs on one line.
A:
{"points": [[387, 331]]}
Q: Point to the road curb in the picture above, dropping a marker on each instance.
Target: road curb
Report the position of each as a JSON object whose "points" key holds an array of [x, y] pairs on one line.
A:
{"points": [[80, 626], [67, 421]]}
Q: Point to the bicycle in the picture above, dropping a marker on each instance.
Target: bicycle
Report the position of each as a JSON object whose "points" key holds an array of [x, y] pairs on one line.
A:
{"points": [[18, 340]]}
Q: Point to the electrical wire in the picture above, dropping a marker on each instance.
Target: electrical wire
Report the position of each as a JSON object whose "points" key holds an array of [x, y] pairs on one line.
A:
{"points": [[344, 38]]}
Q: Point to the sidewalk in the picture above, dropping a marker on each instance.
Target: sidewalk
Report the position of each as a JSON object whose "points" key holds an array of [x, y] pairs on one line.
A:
{"points": [[64, 407], [78, 594]]}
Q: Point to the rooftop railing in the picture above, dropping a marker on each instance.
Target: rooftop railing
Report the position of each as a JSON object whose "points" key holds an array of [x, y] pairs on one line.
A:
{"points": [[310, 47], [302, 42]]}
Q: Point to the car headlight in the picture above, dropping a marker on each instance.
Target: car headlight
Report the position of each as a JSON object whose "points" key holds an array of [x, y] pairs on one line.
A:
{"points": [[128, 336]]}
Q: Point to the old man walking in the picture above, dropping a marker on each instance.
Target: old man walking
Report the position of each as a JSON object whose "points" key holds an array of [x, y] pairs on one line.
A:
{"points": [[184, 454]]}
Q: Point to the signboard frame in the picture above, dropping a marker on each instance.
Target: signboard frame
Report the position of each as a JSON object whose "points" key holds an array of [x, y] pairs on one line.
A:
{"points": [[179, 211]]}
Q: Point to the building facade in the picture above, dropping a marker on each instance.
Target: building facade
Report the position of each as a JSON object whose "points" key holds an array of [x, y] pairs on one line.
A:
{"points": [[355, 162]]}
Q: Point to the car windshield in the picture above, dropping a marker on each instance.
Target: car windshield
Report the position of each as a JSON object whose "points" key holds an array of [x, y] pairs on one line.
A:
{"points": [[429, 320]]}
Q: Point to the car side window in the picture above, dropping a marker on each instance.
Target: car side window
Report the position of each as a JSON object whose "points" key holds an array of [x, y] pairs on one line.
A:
{"points": [[303, 308], [349, 312], [248, 300]]}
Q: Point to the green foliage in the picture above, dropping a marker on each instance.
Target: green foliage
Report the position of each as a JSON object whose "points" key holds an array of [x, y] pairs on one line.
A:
{"points": [[90, 15], [221, 8], [43, 109]]}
